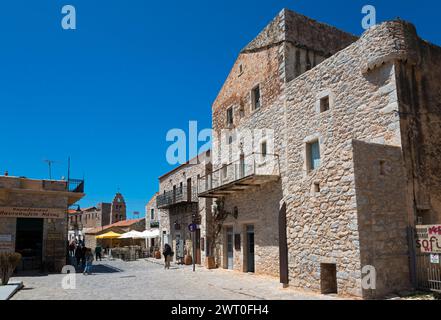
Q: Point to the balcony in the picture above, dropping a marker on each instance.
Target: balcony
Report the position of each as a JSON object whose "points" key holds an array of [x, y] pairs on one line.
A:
{"points": [[154, 224], [177, 196], [248, 172]]}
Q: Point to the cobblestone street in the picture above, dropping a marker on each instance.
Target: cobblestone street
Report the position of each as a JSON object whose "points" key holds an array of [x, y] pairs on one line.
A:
{"points": [[147, 279]]}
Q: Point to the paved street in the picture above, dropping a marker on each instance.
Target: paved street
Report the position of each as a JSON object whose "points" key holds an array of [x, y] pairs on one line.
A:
{"points": [[147, 279]]}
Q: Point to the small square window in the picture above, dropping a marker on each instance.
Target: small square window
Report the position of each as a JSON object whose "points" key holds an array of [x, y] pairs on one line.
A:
{"points": [[255, 97], [316, 187], [324, 104]]}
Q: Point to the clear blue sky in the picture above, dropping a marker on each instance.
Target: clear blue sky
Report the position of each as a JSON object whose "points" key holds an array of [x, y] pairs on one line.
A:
{"points": [[107, 93]]}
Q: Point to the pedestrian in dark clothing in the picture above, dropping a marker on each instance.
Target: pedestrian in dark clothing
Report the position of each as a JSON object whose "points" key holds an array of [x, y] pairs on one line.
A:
{"points": [[72, 249], [78, 254], [83, 256], [98, 251], [168, 253]]}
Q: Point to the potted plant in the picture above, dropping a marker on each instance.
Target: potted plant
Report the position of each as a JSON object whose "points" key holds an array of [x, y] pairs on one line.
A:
{"points": [[157, 253], [188, 260], [8, 262]]}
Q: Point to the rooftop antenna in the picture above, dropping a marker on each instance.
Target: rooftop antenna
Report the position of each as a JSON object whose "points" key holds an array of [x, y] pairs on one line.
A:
{"points": [[49, 164]]}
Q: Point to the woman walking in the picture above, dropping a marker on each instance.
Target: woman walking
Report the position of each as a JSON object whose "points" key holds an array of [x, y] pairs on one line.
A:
{"points": [[168, 253]]}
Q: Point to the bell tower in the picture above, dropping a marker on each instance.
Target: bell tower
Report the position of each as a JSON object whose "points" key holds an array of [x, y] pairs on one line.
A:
{"points": [[118, 212]]}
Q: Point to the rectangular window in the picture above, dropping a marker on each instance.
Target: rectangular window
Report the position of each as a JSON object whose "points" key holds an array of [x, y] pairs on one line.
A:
{"points": [[152, 214], [263, 149], [324, 104], [313, 155], [225, 171], [230, 116], [255, 96]]}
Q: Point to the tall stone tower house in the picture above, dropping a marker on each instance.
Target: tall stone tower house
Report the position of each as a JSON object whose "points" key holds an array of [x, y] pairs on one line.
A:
{"points": [[342, 159], [118, 212]]}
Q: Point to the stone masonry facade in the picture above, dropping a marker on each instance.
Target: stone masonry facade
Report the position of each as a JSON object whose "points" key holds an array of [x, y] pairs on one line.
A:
{"points": [[378, 138], [180, 213]]}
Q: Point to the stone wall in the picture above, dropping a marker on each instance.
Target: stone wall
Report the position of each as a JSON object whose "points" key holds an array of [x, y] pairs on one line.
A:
{"points": [[363, 105], [419, 92], [381, 183], [54, 251], [258, 207]]}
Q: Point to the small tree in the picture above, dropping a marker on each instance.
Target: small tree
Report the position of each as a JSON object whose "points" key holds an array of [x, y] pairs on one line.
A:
{"points": [[219, 215], [8, 262]]}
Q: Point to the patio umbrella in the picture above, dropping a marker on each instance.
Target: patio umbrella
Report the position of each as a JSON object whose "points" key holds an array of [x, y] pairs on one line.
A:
{"points": [[132, 235], [109, 235]]}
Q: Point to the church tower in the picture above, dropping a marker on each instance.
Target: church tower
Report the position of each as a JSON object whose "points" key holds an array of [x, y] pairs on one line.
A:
{"points": [[118, 212]]}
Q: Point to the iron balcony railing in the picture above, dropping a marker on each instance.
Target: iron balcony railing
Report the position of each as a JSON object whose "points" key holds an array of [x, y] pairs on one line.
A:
{"points": [[255, 164], [75, 185], [179, 195]]}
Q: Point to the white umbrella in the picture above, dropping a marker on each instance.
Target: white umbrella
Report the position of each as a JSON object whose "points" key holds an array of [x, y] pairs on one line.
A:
{"points": [[132, 235], [148, 234]]}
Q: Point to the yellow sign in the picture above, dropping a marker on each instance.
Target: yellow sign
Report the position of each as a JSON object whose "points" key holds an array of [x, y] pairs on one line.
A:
{"points": [[44, 213]]}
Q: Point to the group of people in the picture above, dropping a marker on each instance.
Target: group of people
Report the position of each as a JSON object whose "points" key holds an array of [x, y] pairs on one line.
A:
{"points": [[83, 257]]}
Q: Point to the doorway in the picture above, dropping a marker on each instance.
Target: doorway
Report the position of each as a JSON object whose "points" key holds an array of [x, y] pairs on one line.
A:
{"points": [[250, 249], [328, 278], [230, 252], [29, 243]]}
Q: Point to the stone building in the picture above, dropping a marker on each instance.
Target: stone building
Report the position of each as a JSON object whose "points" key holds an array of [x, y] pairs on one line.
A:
{"points": [[118, 210], [179, 206], [117, 227], [34, 217], [152, 220], [83, 220], [340, 158], [152, 213]]}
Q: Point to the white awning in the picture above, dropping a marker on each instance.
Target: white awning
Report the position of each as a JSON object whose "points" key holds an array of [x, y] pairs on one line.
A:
{"points": [[148, 234], [132, 235]]}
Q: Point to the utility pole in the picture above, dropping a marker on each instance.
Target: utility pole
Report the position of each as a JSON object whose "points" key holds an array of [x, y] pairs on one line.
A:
{"points": [[49, 163], [194, 250]]}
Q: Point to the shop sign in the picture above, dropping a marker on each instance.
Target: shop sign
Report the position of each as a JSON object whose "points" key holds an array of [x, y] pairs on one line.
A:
{"points": [[6, 243], [43, 213], [428, 238], [434, 258], [54, 236]]}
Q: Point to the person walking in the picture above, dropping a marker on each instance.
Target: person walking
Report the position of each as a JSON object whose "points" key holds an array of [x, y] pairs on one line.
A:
{"points": [[89, 261], [83, 256], [71, 249], [78, 254], [98, 252], [168, 253]]}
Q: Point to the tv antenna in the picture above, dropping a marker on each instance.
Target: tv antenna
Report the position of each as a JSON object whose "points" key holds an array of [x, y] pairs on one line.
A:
{"points": [[49, 164]]}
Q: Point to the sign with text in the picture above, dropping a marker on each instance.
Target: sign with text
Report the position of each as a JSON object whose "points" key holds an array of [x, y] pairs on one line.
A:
{"points": [[6, 243], [428, 238], [5, 237], [44, 213]]}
